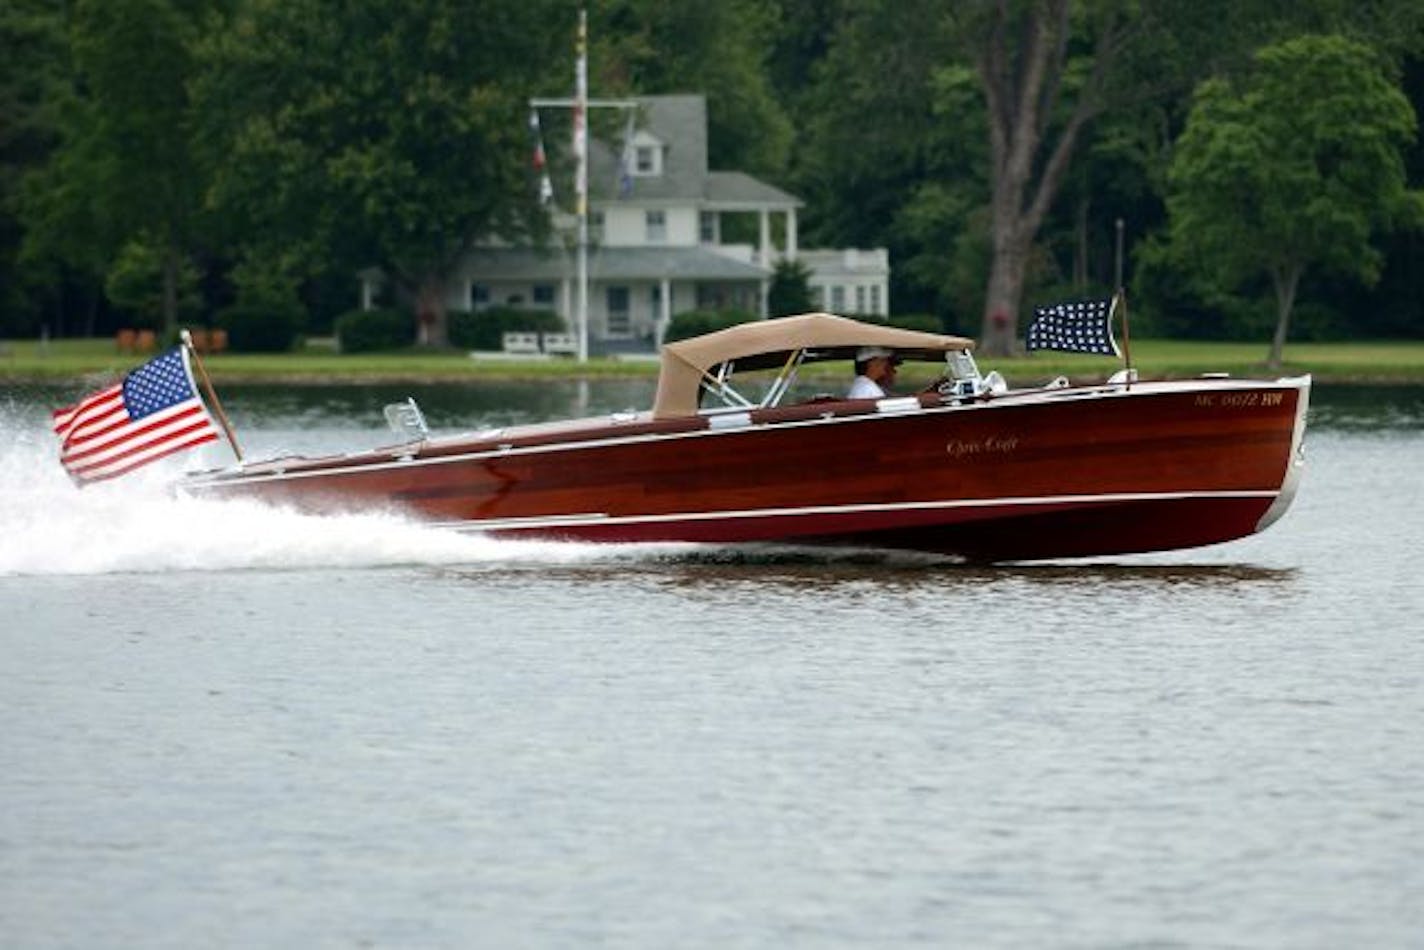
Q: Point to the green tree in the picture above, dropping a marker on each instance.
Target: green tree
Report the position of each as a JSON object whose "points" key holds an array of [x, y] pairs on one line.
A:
{"points": [[648, 47], [123, 170], [136, 285], [33, 70], [886, 158], [790, 291], [1295, 164], [392, 134]]}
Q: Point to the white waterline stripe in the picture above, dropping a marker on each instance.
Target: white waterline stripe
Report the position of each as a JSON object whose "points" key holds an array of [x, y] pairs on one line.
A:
{"points": [[591, 518]]}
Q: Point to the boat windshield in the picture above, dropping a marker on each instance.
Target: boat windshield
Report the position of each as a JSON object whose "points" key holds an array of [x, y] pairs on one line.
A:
{"points": [[772, 387], [724, 389]]}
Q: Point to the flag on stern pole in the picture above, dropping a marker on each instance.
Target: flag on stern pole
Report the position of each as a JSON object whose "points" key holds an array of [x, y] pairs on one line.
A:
{"points": [[154, 412], [1081, 327]]}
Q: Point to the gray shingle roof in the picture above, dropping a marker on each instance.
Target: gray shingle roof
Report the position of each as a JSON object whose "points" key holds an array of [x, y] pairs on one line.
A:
{"points": [[739, 188], [680, 122], [609, 263]]}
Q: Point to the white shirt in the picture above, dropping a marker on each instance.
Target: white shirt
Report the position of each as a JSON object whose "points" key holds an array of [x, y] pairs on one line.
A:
{"points": [[865, 388]]}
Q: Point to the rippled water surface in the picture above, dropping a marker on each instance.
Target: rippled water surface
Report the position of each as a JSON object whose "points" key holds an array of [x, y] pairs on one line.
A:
{"points": [[236, 726]]}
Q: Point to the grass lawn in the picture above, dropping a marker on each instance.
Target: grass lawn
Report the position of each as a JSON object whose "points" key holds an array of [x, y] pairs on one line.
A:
{"points": [[1356, 362]]}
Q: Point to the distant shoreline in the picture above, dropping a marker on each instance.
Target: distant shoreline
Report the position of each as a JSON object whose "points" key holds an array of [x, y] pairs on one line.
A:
{"points": [[69, 361]]}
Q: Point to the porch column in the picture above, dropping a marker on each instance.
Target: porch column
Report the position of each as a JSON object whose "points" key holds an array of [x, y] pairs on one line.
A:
{"points": [[765, 245], [665, 317], [791, 234], [566, 304]]}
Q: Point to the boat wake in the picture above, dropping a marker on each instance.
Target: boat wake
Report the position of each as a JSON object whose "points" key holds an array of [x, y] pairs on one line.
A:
{"points": [[135, 524]]}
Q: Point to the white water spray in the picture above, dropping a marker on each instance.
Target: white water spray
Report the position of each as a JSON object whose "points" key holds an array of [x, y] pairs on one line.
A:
{"points": [[136, 524]]}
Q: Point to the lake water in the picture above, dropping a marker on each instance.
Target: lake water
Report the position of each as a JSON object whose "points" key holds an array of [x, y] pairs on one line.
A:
{"points": [[225, 725]]}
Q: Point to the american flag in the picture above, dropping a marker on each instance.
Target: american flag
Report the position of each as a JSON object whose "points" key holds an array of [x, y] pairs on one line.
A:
{"points": [[154, 412], [1081, 327]]}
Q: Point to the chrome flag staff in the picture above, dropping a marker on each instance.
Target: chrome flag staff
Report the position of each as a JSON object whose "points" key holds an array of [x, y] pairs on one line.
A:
{"points": [[154, 412]]}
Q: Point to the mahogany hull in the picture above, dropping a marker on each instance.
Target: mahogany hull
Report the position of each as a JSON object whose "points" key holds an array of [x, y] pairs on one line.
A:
{"points": [[1029, 474]]}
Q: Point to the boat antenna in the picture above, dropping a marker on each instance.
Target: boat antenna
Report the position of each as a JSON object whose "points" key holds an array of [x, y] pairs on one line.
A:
{"points": [[187, 339]]}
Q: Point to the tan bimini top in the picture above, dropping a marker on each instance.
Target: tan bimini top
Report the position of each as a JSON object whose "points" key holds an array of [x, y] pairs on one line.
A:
{"points": [[764, 344]]}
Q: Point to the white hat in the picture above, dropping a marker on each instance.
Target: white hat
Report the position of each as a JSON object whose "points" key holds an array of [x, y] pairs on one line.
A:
{"points": [[872, 352]]}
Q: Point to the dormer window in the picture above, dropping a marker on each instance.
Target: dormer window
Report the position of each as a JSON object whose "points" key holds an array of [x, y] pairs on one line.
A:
{"points": [[646, 158]]}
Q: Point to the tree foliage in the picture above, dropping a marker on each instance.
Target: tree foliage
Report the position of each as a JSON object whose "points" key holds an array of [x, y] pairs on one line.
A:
{"points": [[124, 170], [1296, 164], [790, 291], [648, 47], [34, 74], [281, 146], [392, 134]]}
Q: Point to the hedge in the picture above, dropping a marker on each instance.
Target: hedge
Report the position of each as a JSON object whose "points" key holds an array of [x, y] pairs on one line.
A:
{"points": [[485, 329], [693, 323], [369, 331], [261, 328]]}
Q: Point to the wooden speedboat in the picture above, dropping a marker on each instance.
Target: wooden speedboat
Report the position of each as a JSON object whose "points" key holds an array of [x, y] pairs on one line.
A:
{"points": [[970, 468]]}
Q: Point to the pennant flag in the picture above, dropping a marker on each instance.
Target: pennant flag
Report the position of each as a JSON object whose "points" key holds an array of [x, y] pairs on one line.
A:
{"points": [[1082, 327], [537, 135], [546, 187], [625, 161], [154, 412], [581, 117]]}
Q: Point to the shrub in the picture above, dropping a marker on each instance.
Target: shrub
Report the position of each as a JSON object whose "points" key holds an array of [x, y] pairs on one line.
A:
{"points": [[693, 323], [790, 291], [261, 328], [368, 331], [485, 329]]}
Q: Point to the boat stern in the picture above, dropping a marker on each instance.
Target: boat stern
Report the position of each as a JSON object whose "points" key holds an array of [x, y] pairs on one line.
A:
{"points": [[1295, 462]]}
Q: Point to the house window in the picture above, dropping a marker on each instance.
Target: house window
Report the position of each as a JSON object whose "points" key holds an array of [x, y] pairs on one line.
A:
{"points": [[838, 298], [707, 227], [479, 296], [818, 297], [875, 299], [646, 159], [859, 299], [657, 227], [544, 295], [620, 319]]}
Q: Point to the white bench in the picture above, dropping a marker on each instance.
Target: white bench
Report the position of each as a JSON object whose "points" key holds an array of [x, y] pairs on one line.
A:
{"points": [[560, 344], [523, 344]]}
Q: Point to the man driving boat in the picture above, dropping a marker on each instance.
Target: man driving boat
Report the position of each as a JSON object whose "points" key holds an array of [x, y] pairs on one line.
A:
{"points": [[875, 368]]}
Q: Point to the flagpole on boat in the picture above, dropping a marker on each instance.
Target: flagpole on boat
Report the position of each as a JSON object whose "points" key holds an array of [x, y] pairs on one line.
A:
{"points": [[187, 339], [1120, 302]]}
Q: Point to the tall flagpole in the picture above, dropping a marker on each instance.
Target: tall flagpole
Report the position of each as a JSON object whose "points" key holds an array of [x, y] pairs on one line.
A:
{"points": [[580, 104], [581, 179]]}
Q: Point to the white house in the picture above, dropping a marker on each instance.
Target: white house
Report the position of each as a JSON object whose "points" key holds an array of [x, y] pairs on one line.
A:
{"points": [[656, 224]]}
